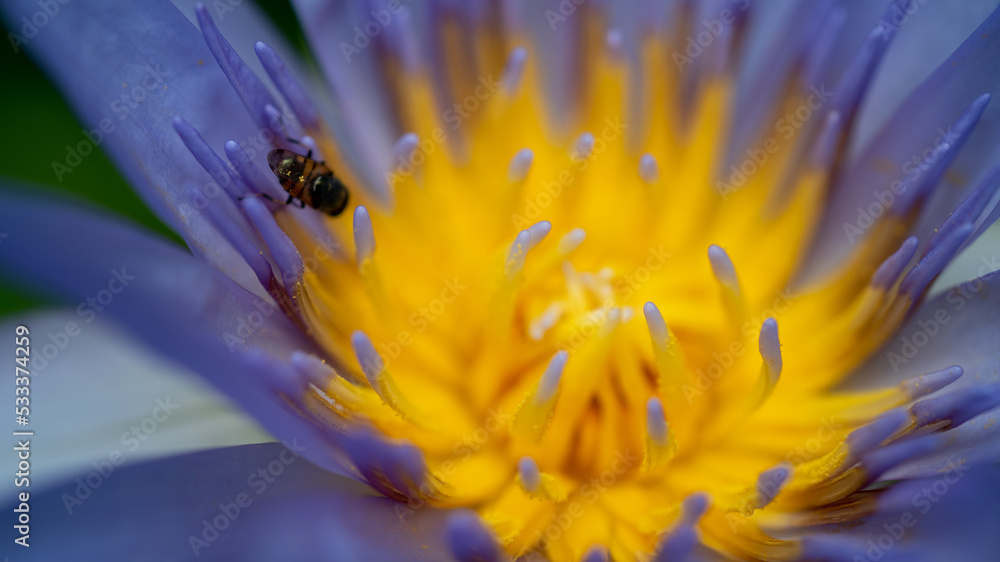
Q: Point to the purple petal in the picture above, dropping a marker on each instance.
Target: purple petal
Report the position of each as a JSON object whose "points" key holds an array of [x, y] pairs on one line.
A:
{"points": [[958, 327], [131, 68], [919, 125], [349, 59], [949, 516], [254, 502], [176, 304]]}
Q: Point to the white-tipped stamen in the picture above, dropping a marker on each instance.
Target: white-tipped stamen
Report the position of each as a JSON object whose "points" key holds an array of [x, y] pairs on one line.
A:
{"points": [[364, 236], [545, 321], [723, 269], [656, 421], [548, 385], [520, 165], [628, 313], [666, 352], [532, 416], [583, 146], [770, 351], [517, 254], [312, 368], [370, 361], [769, 484], [571, 241], [660, 444], [537, 232], [381, 381], [403, 150], [649, 169], [615, 43], [611, 321], [310, 144], [531, 478], [513, 71]]}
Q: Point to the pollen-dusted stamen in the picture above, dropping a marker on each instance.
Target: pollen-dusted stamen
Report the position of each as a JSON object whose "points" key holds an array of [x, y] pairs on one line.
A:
{"points": [[769, 484], [670, 366], [923, 385], [532, 416], [539, 484], [520, 165], [525, 241], [530, 477], [537, 232], [660, 443], [313, 368], [956, 407], [381, 380], [678, 543]]}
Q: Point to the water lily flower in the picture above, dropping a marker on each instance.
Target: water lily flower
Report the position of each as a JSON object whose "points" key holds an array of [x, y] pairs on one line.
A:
{"points": [[615, 280]]}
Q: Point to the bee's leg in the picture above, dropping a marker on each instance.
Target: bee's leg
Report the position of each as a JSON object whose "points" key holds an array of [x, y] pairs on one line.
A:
{"points": [[264, 195], [302, 204], [300, 143]]}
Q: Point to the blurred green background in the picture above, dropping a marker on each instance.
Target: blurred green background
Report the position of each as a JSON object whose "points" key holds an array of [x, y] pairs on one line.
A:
{"points": [[37, 126]]}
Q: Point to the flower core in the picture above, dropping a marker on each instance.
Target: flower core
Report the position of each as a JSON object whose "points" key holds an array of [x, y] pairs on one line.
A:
{"points": [[581, 332]]}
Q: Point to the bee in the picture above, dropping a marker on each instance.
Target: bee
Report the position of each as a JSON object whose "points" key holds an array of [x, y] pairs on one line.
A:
{"points": [[308, 181]]}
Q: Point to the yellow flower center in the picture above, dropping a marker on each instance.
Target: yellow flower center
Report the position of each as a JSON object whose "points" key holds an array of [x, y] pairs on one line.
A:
{"points": [[577, 335]]}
